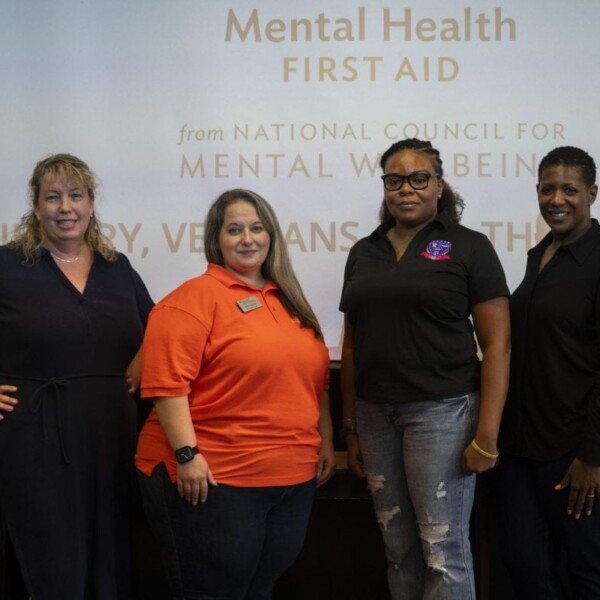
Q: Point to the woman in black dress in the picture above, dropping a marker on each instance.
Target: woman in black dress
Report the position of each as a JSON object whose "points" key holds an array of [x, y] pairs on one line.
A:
{"points": [[72, 315]]}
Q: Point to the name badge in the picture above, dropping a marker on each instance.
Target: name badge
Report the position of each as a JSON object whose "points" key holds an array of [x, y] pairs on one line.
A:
{"points": [[249, 303]]}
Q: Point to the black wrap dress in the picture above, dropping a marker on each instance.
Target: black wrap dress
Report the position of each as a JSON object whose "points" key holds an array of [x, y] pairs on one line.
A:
{"points": [[66, 451]]}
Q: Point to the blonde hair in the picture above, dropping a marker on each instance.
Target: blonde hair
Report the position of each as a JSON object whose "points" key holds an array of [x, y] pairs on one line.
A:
{"points": [[28, 236]]}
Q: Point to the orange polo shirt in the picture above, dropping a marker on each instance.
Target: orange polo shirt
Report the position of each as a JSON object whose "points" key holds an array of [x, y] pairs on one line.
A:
{"points": [[254, 380]]}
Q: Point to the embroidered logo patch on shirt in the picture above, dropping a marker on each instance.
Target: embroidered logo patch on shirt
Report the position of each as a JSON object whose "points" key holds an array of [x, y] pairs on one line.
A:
{"points": [[438, 250]]}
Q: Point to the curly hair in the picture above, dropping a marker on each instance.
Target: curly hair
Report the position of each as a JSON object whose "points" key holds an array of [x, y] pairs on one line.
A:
{"points": [[277, 266], [28, 236], [450, 201], [570, 156]]}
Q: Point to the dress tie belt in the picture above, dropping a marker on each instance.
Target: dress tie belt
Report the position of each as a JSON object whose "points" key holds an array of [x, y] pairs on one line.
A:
{"points": [[40, 396], [40, 400]]}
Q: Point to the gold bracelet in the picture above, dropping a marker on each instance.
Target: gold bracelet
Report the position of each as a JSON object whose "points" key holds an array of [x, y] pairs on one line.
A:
{"points": [[482, 452], [348, 427]]}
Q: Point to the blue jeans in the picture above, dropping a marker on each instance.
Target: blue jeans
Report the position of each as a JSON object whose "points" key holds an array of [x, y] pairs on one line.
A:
{"points": [[411, 453], [536, 533], [232, 547]]}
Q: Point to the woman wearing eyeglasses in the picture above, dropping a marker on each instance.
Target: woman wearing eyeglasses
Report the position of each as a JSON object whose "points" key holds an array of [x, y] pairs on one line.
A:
{"points": [[421, 410]]}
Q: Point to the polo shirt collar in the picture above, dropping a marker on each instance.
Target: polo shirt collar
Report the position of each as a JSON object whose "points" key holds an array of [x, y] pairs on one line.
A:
{"points": [[442, 221], [580, 249], [228, 279]]}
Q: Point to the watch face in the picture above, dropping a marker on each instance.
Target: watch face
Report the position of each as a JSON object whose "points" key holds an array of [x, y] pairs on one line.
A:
{"points": [[185, 454]]}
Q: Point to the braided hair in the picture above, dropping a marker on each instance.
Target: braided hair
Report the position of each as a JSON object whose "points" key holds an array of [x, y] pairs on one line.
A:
{"points": [[450, 202]]}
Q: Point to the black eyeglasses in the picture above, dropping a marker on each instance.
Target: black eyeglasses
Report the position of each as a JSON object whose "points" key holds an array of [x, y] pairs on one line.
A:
{"points": [[418, 180]]}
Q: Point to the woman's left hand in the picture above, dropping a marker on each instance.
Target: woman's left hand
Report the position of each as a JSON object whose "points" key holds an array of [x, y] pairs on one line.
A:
{"points": [[326, 464], [472, 462], [584, 481]]}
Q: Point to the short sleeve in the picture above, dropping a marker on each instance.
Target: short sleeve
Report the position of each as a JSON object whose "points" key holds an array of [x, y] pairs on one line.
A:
{"points": [[485, 274], [143, 299], [172, 352], [348, 270]]}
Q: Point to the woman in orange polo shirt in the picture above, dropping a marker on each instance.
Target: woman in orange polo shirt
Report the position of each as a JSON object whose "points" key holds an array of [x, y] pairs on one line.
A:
{"points": [[240, 434]]}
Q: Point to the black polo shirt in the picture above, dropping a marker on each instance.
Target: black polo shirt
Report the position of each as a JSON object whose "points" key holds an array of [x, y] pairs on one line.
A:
{"points": [[553, 406], [413, 339]]}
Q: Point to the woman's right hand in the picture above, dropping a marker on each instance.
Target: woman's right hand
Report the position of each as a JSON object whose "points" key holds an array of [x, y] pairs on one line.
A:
{"points": [[355, 463], [193, 478], [7, 403]]}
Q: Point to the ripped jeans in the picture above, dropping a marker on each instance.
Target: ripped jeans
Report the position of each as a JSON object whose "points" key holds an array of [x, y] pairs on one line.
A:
{"points": [[411, 454]]}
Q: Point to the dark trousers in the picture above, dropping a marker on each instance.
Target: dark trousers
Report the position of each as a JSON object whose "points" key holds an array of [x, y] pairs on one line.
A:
{"points": [[232, 547], [537, 536]]}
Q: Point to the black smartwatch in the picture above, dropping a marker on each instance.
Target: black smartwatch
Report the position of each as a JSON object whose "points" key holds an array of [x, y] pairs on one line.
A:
{"points": [[186, 453]]}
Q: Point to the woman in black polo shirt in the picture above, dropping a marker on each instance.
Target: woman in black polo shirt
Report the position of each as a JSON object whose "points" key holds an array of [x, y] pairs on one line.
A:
{"points": [[425, 408], [550, 436]]}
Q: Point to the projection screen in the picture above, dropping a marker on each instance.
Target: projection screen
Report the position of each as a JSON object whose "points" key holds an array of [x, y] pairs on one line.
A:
{"points": [[173, 102]]}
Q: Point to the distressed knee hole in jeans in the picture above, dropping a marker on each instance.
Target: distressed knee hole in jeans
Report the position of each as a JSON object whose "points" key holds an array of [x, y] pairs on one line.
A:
{"points": [[441, 491], [434, 535], [385, 516], [375, 482]]}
